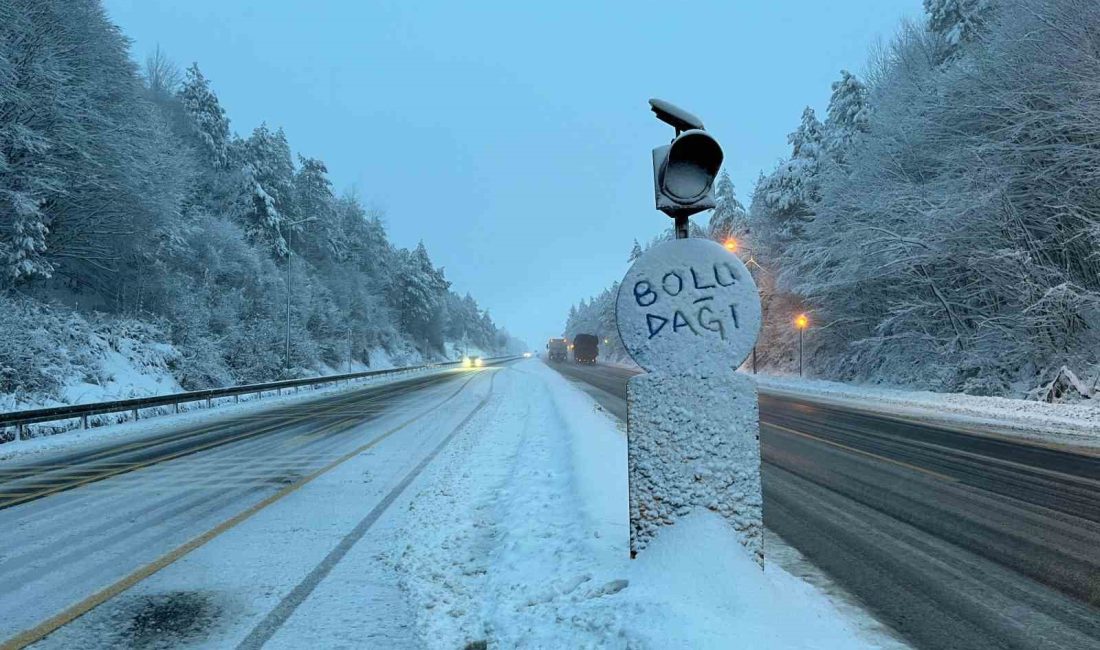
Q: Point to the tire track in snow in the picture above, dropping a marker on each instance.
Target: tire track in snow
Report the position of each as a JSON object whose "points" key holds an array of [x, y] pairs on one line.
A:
{"points": [[283, 611]]}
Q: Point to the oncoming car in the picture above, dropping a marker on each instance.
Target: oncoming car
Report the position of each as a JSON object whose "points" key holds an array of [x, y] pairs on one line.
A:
{"points": [[472, 362]]}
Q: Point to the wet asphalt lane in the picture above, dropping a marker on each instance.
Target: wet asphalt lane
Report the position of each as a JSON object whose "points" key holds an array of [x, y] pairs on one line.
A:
{"points": [[953, 539]]}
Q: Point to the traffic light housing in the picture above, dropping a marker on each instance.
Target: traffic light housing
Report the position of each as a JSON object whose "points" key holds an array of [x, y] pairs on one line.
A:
{"points": [[684, 173]]}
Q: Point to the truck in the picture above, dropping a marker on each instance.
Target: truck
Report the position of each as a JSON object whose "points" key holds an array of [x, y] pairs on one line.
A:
{"points": [[586, 347], [557, 350]]}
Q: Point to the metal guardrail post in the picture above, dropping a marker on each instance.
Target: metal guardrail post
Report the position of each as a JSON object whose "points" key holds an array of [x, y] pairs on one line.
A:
{"points": [[84, 421], [135, 414]]}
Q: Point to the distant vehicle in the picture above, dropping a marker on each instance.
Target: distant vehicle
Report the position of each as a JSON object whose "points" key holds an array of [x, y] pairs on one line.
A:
{"points": [[472, 362], [557, 350], [526, 355], [586, 347]]}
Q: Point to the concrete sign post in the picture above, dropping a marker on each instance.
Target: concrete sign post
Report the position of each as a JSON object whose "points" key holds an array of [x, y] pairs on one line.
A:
{"points": [[688, 312]]}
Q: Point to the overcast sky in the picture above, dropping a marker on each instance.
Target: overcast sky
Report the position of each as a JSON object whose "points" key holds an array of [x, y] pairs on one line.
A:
{"points": [[514, 138]]}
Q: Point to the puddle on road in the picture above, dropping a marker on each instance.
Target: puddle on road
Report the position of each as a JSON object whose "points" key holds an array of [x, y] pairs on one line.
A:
{"points": [[285, 479], [167, 620]]}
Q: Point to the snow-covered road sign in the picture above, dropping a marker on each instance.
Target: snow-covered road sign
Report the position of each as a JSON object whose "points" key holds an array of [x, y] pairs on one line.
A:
{"points": [[688, 306], [689, 313]]}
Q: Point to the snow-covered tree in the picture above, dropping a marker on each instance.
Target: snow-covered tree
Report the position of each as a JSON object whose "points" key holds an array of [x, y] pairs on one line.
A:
{"points": [[418, 290], [269, 184], [635, 251], [728, 219], [957, 21], [162, 76], [787, 199], [208, 119], [848, 115]]}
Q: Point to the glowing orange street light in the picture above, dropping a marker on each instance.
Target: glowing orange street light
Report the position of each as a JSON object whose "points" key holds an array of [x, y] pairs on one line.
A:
{"points": [[801, 322], [731, 244]]}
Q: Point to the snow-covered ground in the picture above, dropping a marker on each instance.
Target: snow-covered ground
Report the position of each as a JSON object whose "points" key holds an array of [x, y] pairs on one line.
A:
{"points": [[125, 367], [1070, 424], [514, 535], [518, 536]]}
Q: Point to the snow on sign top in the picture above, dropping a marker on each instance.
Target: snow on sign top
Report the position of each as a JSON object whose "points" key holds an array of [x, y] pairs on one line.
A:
{"points": [[688, 306]]}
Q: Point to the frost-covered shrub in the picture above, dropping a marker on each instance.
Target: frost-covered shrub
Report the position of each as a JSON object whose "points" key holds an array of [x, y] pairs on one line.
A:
{"points": [[45, 347], [32, 364]]}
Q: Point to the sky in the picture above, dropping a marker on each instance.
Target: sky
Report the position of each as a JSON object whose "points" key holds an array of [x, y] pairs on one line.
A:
{"points": [[514, 138]]}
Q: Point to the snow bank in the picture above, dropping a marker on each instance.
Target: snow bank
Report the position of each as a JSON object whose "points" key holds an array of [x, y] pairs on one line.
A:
{"points": [[1074, 424], [518, 538], [192, 414]]}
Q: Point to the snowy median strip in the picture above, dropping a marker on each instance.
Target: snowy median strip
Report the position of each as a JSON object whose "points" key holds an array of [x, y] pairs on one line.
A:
{"points": [[517, 537]]}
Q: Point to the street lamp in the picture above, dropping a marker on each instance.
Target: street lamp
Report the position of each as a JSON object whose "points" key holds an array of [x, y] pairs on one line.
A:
{"points": [[289, 256], [801, 322]]}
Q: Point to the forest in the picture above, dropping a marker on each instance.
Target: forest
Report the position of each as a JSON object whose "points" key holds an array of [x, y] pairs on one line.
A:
{"points": [[134, 220], [940, 224]]}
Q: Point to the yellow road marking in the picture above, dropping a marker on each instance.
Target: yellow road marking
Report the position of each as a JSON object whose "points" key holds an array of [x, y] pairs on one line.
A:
{"points": [[40, 631], [864, 453]]}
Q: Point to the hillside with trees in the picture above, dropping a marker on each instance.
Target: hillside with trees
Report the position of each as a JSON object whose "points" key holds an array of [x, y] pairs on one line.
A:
{"points": [[941, 224], [135, 222]]}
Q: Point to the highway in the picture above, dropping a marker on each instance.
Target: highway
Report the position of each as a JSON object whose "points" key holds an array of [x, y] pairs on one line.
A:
{"points": [[82, 527], [954, 540]]}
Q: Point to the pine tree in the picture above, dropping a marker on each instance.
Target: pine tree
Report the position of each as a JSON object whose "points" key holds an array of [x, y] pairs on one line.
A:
{"points": [[269, 185], [418, 291], [635, 252], [789, 196], [728, 219], [208, 119], [957, 21], [314, 200], [848, 115]]}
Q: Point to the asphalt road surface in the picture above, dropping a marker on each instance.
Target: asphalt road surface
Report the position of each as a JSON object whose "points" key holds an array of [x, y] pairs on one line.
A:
{"points": [[81, 527], [955, 540]]}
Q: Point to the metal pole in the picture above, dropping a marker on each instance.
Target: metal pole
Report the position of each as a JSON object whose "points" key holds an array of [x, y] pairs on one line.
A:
{"points": [[800, 352], [289, 257], [682, 227], [754, 359]]}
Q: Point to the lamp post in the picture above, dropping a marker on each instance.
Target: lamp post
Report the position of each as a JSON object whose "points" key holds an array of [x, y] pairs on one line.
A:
{"points": [[289, 256], [801, 322]]}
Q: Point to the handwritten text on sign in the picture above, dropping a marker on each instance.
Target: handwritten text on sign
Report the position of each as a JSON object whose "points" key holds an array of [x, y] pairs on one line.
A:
{"points": [[688, 303]]}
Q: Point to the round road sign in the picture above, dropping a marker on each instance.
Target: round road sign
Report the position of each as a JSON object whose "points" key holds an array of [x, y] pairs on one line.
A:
{"points": [[688, 306]]}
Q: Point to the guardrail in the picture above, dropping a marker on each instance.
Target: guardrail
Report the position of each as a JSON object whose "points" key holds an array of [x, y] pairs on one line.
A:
{"points": [[18, 420]]}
